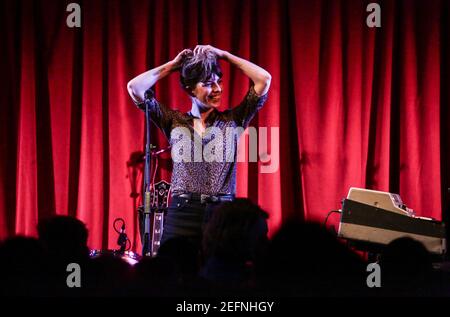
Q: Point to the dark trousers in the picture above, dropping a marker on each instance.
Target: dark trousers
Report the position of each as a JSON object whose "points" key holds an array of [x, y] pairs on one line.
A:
{"points": [[186, 218]]}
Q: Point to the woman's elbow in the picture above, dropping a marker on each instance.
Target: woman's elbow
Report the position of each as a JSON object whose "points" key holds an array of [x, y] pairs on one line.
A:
{"points": [[130, 88], [263, 85], [134, 92], [267, 79], [265, 82]]}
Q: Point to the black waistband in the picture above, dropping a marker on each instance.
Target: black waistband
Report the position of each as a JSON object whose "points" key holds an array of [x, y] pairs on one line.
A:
{"points": [[204, 198]]}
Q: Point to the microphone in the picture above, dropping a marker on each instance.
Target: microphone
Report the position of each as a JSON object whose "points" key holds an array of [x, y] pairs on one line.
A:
{"points": [[149, 94], [149, 99]]}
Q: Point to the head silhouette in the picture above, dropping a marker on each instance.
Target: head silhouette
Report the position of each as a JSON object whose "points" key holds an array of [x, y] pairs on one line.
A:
{"points": [[64, 237], [235, 231]]}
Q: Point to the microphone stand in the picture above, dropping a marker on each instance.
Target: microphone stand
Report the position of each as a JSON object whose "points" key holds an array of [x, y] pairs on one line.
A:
{"points": [[146, 249]]}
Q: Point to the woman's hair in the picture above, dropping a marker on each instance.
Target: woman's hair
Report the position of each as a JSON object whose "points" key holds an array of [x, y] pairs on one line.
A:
{"points": [[198, 68]]}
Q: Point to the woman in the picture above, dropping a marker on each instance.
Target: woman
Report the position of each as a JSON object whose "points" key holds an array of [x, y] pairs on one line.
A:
{"points": [[199, 184]]}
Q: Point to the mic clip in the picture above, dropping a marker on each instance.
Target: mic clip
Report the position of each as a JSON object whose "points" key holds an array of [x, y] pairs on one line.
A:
{"points": [[149, 94]]}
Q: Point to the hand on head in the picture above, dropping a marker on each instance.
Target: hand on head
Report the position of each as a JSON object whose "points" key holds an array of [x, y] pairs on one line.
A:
{"points": [[179, 59], [201, 49], [196, 53]]}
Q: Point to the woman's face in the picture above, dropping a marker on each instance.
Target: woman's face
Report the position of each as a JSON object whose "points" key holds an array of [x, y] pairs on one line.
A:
{"points": [[209, 93]]}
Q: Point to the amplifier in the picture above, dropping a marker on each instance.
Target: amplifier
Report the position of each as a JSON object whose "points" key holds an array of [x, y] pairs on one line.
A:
{"points": [[364, 220]]}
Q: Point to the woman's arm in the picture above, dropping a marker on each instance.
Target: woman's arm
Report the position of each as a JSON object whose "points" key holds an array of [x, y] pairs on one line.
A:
{"points": [[138, 85], [258, 75]]}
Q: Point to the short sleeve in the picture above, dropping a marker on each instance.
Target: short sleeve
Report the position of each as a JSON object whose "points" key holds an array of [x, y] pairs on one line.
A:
{"points": [[160, 114], [247, 109], [139, 104]]}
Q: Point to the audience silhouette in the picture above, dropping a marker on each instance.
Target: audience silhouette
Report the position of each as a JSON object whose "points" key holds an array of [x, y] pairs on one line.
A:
{"points": [[306, 260], [234, 241], [237, 258], [407, 268]]}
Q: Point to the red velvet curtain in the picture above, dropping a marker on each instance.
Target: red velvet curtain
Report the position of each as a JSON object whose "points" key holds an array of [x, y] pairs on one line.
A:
{"points": [[355, 106]]}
